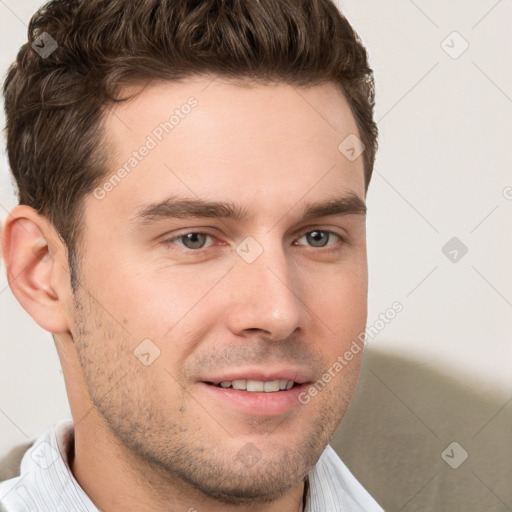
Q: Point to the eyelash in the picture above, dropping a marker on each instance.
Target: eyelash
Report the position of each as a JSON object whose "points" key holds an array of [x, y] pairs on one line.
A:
{"points": [[335, 246]]}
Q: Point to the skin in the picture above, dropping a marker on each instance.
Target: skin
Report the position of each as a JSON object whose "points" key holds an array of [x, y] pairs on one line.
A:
{"points": [[152, 437]]}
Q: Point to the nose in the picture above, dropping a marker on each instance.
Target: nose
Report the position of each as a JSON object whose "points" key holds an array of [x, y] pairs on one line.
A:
{"points": [[265, 296]]}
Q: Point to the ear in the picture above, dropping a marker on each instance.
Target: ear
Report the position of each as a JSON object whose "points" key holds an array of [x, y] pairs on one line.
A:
{"points": [[37, 268]]}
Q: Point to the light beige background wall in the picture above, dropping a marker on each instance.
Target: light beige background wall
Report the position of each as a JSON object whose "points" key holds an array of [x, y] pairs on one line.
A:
{"points": [[444, 96]]}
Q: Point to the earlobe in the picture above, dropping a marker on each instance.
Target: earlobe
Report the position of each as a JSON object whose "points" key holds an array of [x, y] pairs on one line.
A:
{"points": [[30, 249]]}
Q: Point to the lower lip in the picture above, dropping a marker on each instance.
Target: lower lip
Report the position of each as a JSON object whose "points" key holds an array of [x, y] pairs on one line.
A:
{"points": [[257, 403]]}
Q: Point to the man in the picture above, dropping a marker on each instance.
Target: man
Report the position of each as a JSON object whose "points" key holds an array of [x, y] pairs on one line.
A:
{"points": [[191, 230]]}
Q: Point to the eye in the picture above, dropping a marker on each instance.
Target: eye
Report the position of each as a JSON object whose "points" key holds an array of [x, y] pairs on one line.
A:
{"points": [[194, 240], [320, 238]]}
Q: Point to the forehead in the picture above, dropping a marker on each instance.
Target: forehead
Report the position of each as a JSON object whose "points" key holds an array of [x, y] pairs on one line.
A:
{"points": [[212, 139]]}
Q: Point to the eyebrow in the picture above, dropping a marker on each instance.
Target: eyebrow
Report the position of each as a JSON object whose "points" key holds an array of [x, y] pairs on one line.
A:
{"points": [[180, 208]]}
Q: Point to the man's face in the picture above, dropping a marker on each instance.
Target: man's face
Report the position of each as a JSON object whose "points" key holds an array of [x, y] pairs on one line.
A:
{"points": [[265, 295]]}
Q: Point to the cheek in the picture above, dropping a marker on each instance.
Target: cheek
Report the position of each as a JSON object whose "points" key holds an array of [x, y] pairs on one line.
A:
{"points": [[342, 303], [168, 301], [173, 309], [142, 300]]}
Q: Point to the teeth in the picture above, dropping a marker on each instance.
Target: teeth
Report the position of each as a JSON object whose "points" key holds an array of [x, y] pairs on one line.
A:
{"points": [[258, 385], [255, 385], [271, 386], [239, 384]]}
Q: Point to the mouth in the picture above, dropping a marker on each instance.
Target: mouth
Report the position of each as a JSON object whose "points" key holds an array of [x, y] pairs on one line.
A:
{"points": [[256, 386], [255, 393]]}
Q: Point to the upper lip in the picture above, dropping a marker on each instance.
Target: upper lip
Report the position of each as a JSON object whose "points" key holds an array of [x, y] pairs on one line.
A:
{"points": [[298, 375]]}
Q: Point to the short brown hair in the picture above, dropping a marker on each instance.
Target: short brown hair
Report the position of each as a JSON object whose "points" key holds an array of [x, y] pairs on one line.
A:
{"points": [[54, 105]]}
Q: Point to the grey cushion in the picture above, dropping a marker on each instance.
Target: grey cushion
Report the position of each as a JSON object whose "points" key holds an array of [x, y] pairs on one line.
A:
{"points": [[10, 463], [404, 415]]}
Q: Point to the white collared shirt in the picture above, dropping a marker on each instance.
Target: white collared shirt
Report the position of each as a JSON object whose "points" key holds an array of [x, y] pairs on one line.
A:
{"points": [[46, 483]]}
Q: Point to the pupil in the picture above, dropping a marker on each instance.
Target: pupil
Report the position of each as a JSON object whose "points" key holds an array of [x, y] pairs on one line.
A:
{"points": [[194, 240], [317, 238]]}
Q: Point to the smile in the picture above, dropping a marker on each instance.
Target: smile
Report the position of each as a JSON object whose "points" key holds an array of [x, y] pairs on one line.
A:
{"points": [[257, 385]]}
